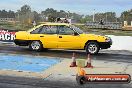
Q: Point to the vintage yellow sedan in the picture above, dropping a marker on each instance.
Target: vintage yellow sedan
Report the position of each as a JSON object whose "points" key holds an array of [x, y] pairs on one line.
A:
{"points": [[61, 36]]}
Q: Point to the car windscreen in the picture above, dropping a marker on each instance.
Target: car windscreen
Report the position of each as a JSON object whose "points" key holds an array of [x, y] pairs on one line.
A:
{"points": [[77, 29]]}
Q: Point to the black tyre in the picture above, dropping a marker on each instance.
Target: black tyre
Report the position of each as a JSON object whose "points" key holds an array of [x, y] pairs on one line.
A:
{"points": [[92, 48], [35, 46], [80, 80]]}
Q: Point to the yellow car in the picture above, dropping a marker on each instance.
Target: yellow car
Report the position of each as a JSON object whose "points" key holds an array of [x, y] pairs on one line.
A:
{"points": [[61, 36]]}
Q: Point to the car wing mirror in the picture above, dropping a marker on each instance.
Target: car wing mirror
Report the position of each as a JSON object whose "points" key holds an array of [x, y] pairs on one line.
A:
{"points": [[76, 34]]}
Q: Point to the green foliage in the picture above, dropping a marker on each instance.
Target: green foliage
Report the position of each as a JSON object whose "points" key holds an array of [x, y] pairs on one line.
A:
{"points": [[126, 16], [36, 16], [53, 14], [7, 14], [86, 18], [26, 16], [107, 17]]}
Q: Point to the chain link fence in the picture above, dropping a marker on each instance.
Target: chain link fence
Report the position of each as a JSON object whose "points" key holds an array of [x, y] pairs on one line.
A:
{"points": [[104, 25]]}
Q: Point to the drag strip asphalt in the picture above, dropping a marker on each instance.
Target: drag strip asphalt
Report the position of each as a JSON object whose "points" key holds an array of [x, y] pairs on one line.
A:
{"points": [[23, 82], [108, 55]]}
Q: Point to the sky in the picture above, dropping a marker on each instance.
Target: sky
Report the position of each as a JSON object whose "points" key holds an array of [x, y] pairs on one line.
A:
{"points": [[86, 7]]}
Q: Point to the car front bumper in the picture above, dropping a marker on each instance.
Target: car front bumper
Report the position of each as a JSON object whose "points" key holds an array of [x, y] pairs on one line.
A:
{"points": [[105, 45]]}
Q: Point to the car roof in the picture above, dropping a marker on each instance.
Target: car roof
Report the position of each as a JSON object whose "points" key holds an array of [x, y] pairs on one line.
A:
{"points": [[49, 23]]}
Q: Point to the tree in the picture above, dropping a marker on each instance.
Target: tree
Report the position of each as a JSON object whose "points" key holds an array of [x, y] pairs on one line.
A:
{"points": [[25, 9], [107, 17], [126, 16], [86, 18], [7, 14], [53, 14], [36, 16], [76, 17], [50, 13], [3, 14], [11, 14], [25, 15]]}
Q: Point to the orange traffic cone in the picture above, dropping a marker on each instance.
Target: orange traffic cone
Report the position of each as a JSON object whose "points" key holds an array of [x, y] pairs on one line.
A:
{"points": [[73, 64], [89, 65], [81, 72]]}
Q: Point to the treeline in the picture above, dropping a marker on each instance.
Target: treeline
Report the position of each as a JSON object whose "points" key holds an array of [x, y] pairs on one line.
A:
{"points": [[107, 17], [26, 15], [7, 14]]}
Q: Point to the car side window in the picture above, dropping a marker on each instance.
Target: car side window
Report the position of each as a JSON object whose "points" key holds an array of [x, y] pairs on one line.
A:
{"points": [[36, 31], [45, 30], [48, 30], [64, 30]]}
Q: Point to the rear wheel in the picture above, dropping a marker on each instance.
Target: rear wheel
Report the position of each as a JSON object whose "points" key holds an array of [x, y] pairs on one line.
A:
{"points": [[35, 46], [92, 48]]}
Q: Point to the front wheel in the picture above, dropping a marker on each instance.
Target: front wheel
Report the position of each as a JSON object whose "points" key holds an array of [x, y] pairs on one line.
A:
{"points": [[35, 46], [80, 80], [92, 48]]}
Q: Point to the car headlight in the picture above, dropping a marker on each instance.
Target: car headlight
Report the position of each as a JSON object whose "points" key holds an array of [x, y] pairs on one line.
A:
{"points": [[108, 39]]}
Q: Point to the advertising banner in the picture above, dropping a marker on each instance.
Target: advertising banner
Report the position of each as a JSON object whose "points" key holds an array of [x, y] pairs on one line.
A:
{"points": [[7, 35]]}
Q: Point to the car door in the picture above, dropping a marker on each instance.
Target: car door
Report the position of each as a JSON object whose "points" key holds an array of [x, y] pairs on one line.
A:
{"points": [[47, 35], [67, 39]]}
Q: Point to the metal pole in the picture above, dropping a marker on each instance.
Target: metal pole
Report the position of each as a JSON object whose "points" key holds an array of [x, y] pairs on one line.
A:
{"points": [[106, 17], [94, 15]]}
